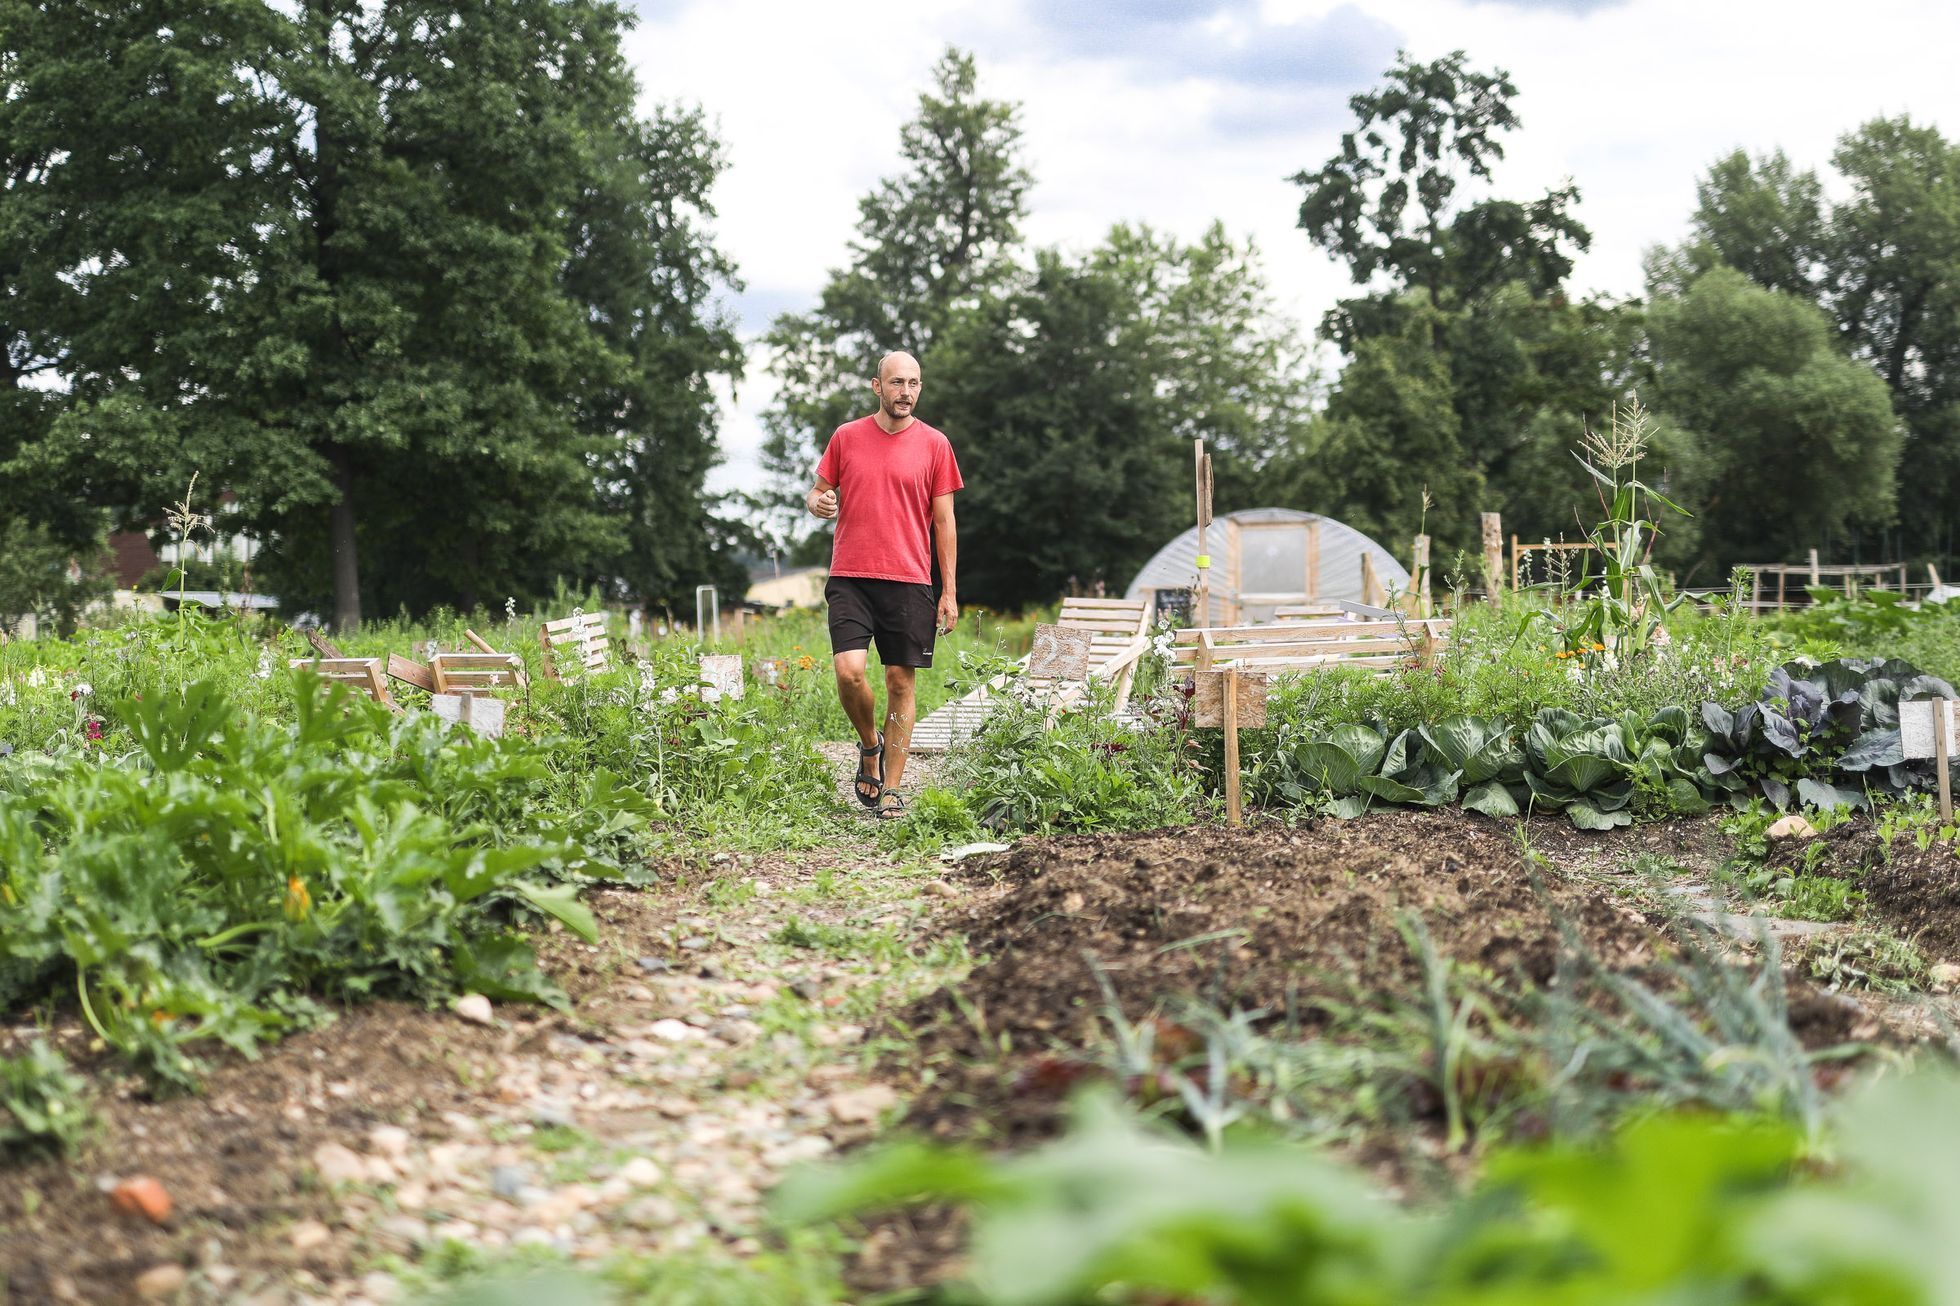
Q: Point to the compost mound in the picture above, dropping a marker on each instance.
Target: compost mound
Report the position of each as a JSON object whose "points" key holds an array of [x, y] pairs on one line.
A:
{"points": [[1263, 918]]}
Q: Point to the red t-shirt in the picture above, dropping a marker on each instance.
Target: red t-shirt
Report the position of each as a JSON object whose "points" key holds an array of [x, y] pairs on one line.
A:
{"points": [[886, 483]]}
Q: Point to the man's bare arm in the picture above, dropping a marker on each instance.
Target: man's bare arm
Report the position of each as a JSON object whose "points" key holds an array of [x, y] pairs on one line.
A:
{"points": [[822, 499], [946, 533]]}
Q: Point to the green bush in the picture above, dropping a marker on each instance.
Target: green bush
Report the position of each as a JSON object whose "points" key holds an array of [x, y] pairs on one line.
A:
{"points": [[43, 1105]]}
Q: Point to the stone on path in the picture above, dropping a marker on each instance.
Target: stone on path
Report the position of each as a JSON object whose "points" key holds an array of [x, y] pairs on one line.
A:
{"points": [[161, 1281], [1793, 827], [475, 1007]]}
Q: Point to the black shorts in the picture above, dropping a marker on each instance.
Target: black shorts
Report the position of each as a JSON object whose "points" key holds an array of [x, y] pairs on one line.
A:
{"points": [[901, 616]]}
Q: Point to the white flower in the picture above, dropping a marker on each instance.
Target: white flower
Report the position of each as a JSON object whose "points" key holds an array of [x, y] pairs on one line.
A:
{"points": [[264, 669], [510, 609], [37, 677], [670, 694], [83, 689], [8, 696]]}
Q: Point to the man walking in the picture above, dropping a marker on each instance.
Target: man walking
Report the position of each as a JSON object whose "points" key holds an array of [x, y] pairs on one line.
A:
{"points": [[888, 480]]}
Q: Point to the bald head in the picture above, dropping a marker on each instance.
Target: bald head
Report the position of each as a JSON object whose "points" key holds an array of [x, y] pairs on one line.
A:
{"points": [[897, 387]]}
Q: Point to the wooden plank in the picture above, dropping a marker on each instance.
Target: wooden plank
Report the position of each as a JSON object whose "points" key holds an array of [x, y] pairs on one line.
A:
{"points": [[1298, 630], [410, 672], [1314, 648], [1233, 814], [1943, 723], [478, 640], [325, 647], [1112, 627], [1073, 601]]}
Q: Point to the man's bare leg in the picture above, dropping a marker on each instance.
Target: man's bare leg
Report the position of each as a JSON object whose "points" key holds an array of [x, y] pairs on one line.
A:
{"points": [[901, 685], [854, 692]]}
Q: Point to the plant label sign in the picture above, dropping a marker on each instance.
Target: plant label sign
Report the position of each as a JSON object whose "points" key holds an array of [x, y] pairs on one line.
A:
{"points": [[479, 712], [1916, 729], [1208, 700], [724, 672], [1059, 653], [1926, 730]]}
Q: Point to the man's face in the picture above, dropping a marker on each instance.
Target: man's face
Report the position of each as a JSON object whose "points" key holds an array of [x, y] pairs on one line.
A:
{"points": [[898, 388]]}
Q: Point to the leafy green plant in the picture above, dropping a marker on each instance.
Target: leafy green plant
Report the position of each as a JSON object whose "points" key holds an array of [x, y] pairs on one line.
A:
{"points": [[205, 885], [1692, 1207], [43, 1104]]}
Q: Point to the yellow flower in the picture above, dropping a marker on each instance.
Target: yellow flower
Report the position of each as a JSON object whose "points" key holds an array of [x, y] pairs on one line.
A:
{"points": [[298, 901]]}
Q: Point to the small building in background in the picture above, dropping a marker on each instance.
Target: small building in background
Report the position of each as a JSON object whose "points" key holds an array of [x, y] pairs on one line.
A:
{"points": [[796, 587]]}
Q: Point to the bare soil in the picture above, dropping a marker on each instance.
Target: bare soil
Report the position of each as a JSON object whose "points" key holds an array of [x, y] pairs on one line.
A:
{"points": [[1913, 892]]}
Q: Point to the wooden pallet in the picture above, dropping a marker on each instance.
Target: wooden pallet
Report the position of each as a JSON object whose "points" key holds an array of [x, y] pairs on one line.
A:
{"points": [[1119, 634]]}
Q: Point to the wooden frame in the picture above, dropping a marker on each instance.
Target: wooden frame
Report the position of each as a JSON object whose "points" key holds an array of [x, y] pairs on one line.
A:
{"points": [[365, 674], [581, 637], [476, 673], [1119, 636]]}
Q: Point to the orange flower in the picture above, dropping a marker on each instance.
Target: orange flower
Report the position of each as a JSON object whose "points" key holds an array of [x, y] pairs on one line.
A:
{"points": [[298, 901]]}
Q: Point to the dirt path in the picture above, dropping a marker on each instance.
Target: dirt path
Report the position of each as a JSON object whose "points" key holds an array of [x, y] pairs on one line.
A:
{"points": [[745, 1014], [726, 1028]]}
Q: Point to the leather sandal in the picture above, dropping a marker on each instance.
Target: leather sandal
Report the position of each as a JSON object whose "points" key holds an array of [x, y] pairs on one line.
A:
{"points": [[864, 777]]}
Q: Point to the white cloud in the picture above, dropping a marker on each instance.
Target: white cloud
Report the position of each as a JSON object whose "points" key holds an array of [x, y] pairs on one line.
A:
{"points": [[1176, 113]]}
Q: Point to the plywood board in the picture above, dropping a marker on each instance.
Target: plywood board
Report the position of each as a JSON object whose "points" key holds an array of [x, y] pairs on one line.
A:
{"points": [[1208, 703], [724, 672], [1059, 653], [481, 714], [1916, 729]]}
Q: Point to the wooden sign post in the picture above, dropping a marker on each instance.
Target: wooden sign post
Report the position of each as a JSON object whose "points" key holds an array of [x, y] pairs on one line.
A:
{"points": [[1926, 730], [1201, 600], [1230, 700]]}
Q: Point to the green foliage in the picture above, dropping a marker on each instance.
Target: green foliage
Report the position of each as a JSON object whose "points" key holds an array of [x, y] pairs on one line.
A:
{"points": [[1826, 735], [1872, 256], [1622, 610], [335, 255], [1685, 1207], [43, 1105], [211, 880], [936, 235], [934, 817], [1762, 399], [1080, 772]]}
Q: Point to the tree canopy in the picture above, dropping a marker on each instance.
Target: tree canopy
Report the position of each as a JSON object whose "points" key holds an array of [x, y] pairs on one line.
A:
{"points": [[413, 282]]}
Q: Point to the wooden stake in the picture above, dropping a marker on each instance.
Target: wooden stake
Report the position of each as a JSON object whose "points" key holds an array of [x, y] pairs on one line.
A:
{"points": [[1514, 562], [1942, 722], [1419, 583], [1201, 598], [1493, 553], [1233, 814], [478, 640], [1815, 578]]}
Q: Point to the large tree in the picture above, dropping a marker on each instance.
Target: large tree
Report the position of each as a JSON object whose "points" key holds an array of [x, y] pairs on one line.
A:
{"points": [[373, 316], [1883, 261], [1464, 354], [1783, 441], [935, 237]]}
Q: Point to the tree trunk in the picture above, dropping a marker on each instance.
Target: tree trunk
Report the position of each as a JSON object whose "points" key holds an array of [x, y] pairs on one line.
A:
{"points": [[346, 562]]}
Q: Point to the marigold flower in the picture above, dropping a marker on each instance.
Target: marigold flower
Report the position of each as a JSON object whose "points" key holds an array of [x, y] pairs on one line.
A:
{"points": [[298, 901]]}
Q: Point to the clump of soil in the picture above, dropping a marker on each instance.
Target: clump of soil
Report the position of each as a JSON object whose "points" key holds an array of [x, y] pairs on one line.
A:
{"points": [[1254, 918], [1912, 891]]}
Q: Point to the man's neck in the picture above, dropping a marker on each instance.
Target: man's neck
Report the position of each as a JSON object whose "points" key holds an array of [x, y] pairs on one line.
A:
{"points": [[889, 424]]}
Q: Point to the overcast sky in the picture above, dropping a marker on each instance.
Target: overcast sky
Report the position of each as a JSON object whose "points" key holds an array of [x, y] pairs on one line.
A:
{"points": [[1176, 113]]}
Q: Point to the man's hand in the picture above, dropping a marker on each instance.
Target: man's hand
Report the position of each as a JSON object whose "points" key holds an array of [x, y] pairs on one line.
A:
{"points": [[949, 613], [822, 503]]}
